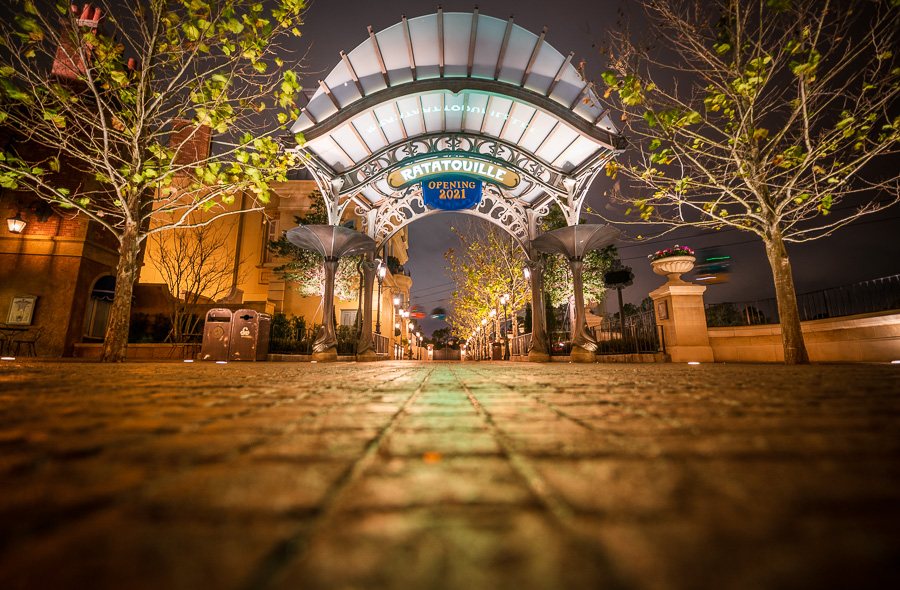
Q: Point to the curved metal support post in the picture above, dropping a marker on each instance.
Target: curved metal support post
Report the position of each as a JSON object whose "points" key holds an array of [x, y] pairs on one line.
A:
{"points": [[539, 352], [580, 336], [365, 350], [325, 346]]}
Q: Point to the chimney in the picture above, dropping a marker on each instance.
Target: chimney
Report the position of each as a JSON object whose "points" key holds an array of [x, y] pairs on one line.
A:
{"points": [[68, 63], [191, 144]]}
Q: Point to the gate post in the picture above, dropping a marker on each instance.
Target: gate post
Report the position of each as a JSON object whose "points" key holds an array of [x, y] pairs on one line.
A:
{"points": [[682, 316]]}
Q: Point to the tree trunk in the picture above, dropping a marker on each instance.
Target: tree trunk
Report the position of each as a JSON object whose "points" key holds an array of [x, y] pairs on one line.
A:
{"points": [[789, 316], [116, 340]]}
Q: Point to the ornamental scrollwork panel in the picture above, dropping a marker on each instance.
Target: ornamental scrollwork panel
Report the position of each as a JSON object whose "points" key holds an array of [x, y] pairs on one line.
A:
{"points": [[378, 164], [394, 214]]}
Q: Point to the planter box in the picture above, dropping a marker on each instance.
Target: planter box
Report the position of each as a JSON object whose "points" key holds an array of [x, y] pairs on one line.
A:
{"points": [[165, 351]]}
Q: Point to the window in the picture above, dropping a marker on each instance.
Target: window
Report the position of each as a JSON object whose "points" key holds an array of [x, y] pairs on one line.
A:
{"points": [[270, 234], [348, 317], [98, 307]]}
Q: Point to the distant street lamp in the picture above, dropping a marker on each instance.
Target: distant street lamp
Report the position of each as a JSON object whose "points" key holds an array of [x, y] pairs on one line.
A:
{"points": [[484, 331], [382, 270]]}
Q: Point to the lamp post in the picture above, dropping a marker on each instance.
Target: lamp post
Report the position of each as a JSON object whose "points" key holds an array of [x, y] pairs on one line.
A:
{"points": [[419, 346], [484, 338], [495, 332], [379, 274], [505, 302]]}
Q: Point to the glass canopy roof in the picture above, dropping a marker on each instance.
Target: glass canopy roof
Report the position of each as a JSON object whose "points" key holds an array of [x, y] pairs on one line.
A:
{"points": [[451, 83]]}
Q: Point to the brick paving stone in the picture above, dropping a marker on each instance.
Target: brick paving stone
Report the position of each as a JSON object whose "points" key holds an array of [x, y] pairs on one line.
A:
{"points": [[395, 475]]}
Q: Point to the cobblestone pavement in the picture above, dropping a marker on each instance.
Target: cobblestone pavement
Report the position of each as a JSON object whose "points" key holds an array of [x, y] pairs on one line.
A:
{"points": [[448, 476]]}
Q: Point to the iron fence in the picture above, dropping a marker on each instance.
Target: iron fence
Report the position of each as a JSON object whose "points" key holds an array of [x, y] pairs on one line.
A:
{"points": [[299, 340], [519, 345], [382, 344], [865, 297], [639, 334]]}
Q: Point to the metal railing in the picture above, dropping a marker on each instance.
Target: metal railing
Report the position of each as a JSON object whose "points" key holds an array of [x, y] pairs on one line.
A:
{"points": [[865, 297], [519, 345], [639, 334], [382, 344]]}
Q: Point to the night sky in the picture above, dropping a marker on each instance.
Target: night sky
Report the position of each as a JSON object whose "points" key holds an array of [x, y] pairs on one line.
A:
{"points": [[866, 250]]}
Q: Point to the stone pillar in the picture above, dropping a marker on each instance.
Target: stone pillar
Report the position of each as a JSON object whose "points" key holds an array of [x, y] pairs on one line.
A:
{"points": [[682, 316], [325, 346], [583, 344], [539, 352], [365, 350]]}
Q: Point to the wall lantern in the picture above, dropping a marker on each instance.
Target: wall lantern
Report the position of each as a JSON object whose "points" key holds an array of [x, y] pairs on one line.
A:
{"points": [[16, 224]]}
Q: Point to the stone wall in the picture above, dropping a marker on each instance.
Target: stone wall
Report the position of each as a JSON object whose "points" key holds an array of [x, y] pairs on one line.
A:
{"points": [[861, 338]]}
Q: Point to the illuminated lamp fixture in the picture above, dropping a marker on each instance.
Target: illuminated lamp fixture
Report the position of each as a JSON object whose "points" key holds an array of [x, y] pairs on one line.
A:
{"points": [[493, 312], [693, 363], [396, 300], [527, 272], [16, 224]]}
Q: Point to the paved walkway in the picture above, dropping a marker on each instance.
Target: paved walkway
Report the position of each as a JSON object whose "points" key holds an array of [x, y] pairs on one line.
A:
{"points": [[448, 476]]}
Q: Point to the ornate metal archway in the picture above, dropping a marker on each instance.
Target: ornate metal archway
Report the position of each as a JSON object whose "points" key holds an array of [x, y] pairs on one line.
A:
{"points": [[463, 90]]}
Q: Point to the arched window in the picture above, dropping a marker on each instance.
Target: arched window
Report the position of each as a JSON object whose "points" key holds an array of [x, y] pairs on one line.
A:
{"points": [[98, 306]]}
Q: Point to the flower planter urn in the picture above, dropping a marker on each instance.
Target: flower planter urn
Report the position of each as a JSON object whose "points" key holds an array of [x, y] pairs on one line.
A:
{"points": [[673, 267]]}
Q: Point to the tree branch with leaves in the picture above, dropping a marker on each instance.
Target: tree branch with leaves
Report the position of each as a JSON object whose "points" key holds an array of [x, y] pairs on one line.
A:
{"points": [[104, 90], [762, 116]]}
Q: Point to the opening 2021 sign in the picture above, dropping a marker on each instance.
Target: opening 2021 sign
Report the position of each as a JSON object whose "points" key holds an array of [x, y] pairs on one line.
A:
{"points": [[452, 183]]}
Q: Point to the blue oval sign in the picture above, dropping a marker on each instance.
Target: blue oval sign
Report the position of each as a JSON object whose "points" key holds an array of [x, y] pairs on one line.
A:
{"points": [[452, 193]]}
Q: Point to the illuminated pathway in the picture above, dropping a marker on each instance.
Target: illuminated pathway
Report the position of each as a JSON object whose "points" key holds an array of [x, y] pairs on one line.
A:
{"points": [[432, 476]]}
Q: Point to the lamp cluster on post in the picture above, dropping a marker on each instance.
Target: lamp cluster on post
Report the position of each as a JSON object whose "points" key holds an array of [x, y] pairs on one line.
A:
{"points": [[379, 275], [479, 343]]}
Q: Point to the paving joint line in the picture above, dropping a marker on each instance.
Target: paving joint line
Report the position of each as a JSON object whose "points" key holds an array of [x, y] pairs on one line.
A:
{"points": [[538, 486], [293, 547]]}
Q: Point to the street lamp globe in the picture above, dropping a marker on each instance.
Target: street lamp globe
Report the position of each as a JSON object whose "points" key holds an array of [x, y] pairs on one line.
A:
{"points": [[527, 272]]}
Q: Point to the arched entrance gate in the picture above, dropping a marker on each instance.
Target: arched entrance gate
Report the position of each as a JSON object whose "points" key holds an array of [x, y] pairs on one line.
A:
{"points": [[456, 111]]}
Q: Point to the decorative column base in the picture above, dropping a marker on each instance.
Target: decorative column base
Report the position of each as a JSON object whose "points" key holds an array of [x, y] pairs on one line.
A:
{"points": [[538, 357], [580, 355], [328, 355], [367, 356], [682, 316]]}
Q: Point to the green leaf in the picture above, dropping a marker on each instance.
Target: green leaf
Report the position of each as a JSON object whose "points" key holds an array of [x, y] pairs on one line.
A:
{"points": [[654, 144]]}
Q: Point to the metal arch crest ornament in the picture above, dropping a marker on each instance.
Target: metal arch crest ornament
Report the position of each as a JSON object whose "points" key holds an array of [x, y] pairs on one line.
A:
{"points": [[394, 215]]}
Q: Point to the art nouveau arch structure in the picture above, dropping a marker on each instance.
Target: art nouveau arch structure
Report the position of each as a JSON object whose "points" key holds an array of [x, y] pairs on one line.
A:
{"points": [[459, 94]]}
